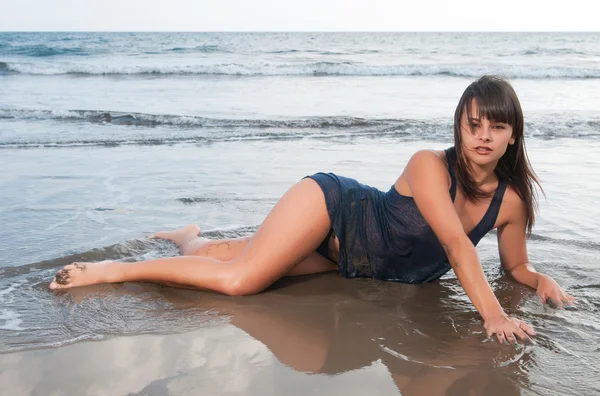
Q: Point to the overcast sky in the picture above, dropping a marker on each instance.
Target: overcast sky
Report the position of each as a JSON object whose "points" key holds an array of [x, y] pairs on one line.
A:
{"points": [[298, 15]]}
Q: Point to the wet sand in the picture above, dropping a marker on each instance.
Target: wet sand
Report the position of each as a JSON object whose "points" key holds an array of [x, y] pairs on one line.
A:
{"points": [[311, 335], [319, 334]]}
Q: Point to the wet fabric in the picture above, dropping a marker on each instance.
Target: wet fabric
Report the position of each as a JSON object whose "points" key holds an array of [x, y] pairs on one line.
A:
{"points": [[383, 235]]}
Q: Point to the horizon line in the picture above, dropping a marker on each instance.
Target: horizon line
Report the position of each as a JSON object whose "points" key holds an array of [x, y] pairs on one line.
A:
{"points": [[299, 31]]}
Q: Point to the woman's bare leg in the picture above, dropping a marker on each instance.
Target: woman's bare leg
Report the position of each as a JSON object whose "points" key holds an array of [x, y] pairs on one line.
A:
{"points": [[291, 232], [190, 243]]}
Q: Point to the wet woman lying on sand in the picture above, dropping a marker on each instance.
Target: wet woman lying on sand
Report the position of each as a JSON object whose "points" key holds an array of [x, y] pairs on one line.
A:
{"points": [[429, 222]]}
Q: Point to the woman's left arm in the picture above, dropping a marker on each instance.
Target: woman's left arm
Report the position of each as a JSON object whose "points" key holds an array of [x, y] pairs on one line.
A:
{"points": [[512, 246]]}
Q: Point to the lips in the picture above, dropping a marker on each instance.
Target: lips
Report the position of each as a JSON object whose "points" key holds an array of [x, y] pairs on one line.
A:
{"points": [[483, 150]]}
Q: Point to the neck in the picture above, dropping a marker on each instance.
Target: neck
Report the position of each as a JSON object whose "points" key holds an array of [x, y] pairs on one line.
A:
{"points": [[483, 174]]}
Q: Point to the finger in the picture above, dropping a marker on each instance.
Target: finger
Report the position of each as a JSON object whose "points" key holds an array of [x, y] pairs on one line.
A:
{"points": [[543, 297], [520, 333], [526, 328], [570, 297], [510, 336], [558, 300], [567, 298], [62, 277], [500, 336]]}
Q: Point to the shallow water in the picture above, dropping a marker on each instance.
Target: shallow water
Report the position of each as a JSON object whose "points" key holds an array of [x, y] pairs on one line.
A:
{"points": [[95, 162]]}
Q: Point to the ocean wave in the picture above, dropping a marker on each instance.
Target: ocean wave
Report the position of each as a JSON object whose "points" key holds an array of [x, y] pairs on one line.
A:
{"points": [[12, 320], [552, 52], [62, 48], [540, 127], [160, 129], [183, 121], [324, 52], [305, 69], [57, 142], [42, 50], [222, 200], [206, 49], [588, 245], [288, 51], [126, 251], [4, 68]]}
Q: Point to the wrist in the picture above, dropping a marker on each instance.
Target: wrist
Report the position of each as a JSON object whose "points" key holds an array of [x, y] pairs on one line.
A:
{"points": [[538, 278], [493, 314]]}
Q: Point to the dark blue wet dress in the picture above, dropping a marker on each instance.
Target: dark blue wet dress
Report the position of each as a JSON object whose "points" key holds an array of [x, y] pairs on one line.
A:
{"points": [[383, 235]]}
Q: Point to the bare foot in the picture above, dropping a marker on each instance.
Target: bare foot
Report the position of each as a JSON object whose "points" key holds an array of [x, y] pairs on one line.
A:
{"points": [[180, 237], [84, 274]]}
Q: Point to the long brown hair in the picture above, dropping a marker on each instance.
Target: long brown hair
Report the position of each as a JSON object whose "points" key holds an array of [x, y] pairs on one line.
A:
{"points": [[498, 102]]}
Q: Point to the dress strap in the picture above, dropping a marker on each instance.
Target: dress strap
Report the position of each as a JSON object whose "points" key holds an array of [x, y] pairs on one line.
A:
{"points": [[452, 176], [492, 214], [499, 194]]}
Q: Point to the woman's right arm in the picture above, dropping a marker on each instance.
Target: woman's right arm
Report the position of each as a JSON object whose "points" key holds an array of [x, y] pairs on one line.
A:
{"points": [[427, 177]]}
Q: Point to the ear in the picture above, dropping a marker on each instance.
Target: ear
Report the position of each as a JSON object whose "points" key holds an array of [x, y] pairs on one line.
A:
{"points": [[511, 141]]}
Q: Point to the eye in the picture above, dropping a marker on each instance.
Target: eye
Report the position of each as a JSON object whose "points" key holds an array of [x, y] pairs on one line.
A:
{"points": [[499, 126], [474, 125]]}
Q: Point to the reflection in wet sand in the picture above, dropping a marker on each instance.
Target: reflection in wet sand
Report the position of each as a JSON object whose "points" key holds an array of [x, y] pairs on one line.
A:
{"points": [[307, 335], [430, 343]]}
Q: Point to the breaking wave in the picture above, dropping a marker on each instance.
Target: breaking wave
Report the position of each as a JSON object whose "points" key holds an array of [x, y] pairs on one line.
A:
{"points": [[301, 69]]}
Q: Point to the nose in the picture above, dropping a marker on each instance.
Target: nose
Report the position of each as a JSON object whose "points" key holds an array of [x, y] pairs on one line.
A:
{"points": [[484, 133]]}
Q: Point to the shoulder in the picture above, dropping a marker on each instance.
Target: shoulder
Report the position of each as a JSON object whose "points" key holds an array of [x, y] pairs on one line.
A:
{"points": [[428, 163], [426, 168], [428, 157], [513, 208], [426, 153]]}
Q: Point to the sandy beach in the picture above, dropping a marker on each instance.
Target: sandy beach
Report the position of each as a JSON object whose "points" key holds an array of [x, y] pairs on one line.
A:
{"points": [[107, 138], [315, 334]]}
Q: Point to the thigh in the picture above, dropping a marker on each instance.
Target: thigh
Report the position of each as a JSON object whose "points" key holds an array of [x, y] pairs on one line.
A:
{"points": [[220, 249], [313, 264], [227, 249], [292, 231]]}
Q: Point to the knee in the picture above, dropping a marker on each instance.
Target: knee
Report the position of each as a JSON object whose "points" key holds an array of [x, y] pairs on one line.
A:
{"points": [[241, 285]]}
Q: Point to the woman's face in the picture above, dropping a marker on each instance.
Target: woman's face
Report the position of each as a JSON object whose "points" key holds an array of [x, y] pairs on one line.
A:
{"points": [[483, 141]]}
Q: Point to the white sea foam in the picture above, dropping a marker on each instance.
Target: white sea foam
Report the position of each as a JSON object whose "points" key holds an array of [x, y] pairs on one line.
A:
{"points": [[5, 293], [554, 126], [532, 71], [11, 319]]}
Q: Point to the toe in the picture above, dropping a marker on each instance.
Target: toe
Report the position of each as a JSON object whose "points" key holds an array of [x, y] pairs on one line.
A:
{"points": [[62, 277], [159, 235], [55, 285]]}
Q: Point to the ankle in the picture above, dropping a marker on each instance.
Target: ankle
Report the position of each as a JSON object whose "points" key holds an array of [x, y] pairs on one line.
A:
{"points": [[113, 272]]}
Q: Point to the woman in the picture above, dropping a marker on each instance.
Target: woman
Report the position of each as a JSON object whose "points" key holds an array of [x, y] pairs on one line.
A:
{"points": [[428, 223]]}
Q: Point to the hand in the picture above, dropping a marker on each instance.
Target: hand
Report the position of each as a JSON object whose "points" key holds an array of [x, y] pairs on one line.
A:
{"points": [[508, 329], [548, 288]]}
